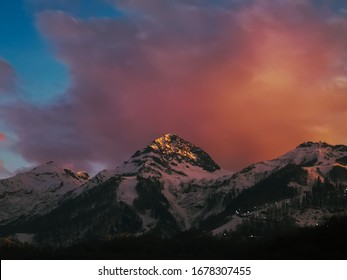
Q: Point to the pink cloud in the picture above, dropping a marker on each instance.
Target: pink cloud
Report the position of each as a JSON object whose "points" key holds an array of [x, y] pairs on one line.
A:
{"points": [[2, 137], [245, 84]]}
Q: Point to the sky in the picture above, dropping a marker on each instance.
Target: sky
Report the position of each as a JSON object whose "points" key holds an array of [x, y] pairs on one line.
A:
{"points": [[87, 83]]}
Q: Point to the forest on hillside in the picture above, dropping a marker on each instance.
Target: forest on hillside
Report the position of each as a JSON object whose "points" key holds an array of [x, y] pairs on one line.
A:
{"points": [[281, 242]]}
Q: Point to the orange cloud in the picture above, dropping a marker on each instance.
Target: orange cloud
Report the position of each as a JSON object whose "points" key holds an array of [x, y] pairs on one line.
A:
{"points": [[2, 137]]}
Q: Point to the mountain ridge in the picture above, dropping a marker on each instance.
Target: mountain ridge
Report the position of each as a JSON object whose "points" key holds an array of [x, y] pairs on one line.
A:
{"points": [[171, 186], [37, 191]]}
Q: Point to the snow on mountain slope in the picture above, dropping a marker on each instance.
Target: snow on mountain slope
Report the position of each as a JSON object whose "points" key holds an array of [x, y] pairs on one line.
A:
{"points": [[98, 179], [127, 190], [36, 192], [317, 158], [163, 189], [185, 172], [167, 187], [172, 155], [291, 179]]}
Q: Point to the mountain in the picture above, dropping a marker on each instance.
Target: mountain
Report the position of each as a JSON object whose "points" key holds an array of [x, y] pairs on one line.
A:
{"points": [[171, 186], [162, 189], [36, 192], [319, 159], [185, 173], [298, 181]]}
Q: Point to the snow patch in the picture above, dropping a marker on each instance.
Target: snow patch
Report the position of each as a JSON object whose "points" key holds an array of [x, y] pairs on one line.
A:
{"points": [[148, 222], [229, 226], [127, 190], [24, 237]]}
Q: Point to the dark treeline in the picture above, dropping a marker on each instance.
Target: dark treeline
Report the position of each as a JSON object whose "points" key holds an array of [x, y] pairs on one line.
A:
{"points": [[325, 242], [326, 194]]}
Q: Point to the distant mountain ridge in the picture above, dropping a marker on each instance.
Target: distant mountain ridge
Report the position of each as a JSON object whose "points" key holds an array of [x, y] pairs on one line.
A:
{"points": [[172, 186], [37, 191]]}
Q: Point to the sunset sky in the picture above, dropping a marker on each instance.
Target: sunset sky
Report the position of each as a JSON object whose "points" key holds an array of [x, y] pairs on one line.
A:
{"points": [[87, 83]]}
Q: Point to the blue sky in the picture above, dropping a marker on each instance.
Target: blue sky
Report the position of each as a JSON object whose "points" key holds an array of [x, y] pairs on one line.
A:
{"points": [[42, 77]]}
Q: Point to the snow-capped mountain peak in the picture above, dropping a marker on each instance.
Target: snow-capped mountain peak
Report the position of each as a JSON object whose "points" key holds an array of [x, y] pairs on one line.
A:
{"points": [[183, 171], [170, 154], [174, 150], [319, 159], [172, 146], [46, 167], [37, 191], [318, 144], [315, 153], [53, 169]]}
